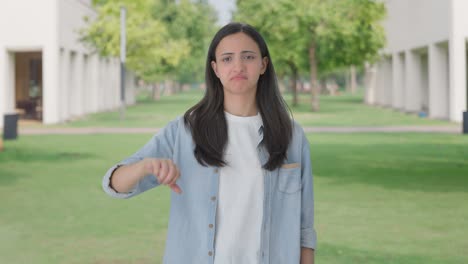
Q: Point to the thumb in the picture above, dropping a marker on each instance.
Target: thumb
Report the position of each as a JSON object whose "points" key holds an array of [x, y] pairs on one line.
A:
{"points": [[175, 188]]}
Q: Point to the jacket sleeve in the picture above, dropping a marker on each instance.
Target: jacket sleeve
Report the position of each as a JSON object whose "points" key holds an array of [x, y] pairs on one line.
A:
{"points": [[308, 234], [160, 145]]}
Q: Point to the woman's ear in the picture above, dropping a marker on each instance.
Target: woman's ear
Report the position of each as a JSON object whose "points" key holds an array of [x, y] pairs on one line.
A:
{"points": [[214, 66], [265, 62]]}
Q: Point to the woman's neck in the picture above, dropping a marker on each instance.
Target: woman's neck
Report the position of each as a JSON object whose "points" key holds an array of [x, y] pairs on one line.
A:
{"points": [[240, 105]]}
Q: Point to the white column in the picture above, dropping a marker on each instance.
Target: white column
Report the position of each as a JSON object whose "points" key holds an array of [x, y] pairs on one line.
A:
{"points": [[424, 81], [438, 82], [94, 82], [105, 85], [115, 82], [113, 96], [3, 82], [388, 82], [457, 60], [7, 82], [51, 84], [86, 85], [50, 64], [398, 81], [370, 83], [78, 71], [379, 82], [412, 86], [108, 89], [64, 105], [101, 98], [72, 85]]}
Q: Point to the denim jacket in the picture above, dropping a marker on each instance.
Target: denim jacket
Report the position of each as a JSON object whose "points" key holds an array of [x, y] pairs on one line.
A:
{"points": [[288, 204]]}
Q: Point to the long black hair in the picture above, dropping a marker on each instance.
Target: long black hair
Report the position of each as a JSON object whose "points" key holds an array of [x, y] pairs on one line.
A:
{"points": [[206, 119]]}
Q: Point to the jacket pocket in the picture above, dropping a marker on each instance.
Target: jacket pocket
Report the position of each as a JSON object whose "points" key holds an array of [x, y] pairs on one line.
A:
{"points": [[289, 178]]}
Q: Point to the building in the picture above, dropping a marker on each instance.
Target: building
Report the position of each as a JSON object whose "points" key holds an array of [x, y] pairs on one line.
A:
{"points": [[46, 73], [423, 68]]}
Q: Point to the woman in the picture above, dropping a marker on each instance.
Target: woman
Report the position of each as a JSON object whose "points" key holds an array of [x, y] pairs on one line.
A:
{"points": [[238, 166]]}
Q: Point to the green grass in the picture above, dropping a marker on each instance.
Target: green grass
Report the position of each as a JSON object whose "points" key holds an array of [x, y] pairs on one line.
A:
{"points": [[380, 198], [344, 110], [146, 113], [349, 110]]}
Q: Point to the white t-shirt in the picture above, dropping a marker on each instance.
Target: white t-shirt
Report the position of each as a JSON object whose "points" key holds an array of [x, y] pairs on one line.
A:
{"points": [[240, 199]]}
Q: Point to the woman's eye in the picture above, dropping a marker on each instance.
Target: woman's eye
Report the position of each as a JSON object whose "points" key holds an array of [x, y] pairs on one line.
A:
{"points": [[249, 57], [226, 59]]}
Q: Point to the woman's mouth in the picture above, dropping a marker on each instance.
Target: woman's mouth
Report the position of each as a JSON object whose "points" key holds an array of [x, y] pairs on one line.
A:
{"points": [[239, 77]]}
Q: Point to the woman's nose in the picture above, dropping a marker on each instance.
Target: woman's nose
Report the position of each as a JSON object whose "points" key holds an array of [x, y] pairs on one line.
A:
{"points": [[238, 64]]}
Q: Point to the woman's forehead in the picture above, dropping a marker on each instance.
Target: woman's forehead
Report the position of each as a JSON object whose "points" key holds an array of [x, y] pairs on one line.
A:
{"points": [[237, 43]]}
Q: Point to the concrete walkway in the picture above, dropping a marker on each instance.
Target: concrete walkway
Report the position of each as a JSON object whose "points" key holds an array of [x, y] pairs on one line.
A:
{"points": [[143, 130]]}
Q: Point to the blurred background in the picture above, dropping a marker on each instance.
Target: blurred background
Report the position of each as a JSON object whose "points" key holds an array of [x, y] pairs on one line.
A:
{"points": [[380, 88]]}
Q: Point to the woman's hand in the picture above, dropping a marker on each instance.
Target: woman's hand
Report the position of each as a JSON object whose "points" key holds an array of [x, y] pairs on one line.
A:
{"points": [[165, 170]]}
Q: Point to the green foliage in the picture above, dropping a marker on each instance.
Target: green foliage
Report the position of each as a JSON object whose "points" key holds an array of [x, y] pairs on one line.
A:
{"points": [[193, 22], [352, 37], [276, 21], [165, 39], [344, 32]]}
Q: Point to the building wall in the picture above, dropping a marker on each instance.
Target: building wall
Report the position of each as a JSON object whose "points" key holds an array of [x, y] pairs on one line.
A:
{"points": [[427, 41], [457, 59], [412, 24], [75, 80], [25, 25]]}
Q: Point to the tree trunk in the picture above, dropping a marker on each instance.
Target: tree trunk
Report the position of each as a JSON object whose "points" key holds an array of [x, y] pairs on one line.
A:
{"points": [[293, 83], [353, 80], [177, 86], [348, 81], [168, 87], [314, 89], [156, 92]]}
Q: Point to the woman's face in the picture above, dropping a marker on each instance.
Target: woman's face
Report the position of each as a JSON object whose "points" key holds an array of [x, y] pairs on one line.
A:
{"points": [[239, 64]]}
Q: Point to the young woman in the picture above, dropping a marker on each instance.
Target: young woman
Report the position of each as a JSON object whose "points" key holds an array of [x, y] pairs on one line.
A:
{"points": [[238, 166]]}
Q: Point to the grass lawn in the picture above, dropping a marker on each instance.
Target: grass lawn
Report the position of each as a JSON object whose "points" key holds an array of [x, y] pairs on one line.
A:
{"points": [[380, 198], [344, 110]]}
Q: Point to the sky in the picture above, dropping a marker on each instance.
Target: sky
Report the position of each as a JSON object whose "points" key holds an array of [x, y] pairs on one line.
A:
{"points": [[224, 9]]}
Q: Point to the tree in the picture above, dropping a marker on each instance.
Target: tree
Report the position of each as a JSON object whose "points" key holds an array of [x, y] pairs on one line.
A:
{"points": [[334, 33], [341, 33], [275, 22], [151, 51], [194, 22]]}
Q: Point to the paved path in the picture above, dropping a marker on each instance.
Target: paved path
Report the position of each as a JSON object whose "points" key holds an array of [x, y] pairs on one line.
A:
{"points": [[142, 130]]}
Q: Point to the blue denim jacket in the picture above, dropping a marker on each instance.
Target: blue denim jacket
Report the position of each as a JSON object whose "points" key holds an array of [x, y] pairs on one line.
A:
{"points": [[288, 204]]}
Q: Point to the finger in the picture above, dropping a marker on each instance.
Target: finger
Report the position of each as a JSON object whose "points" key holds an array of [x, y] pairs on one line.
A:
{"points": [[175, 188], [171, 174], [164, 169], [176, 175], [156, 167]]}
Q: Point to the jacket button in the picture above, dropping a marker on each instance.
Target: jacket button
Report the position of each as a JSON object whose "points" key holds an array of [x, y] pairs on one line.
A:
{"points": [[213, 198], [216, 170], [210, 225], [210, 253]]}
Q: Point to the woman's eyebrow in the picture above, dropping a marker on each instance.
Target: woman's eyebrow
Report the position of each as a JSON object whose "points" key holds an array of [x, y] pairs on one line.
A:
{"points": [[248, 51], [242, 52]]}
